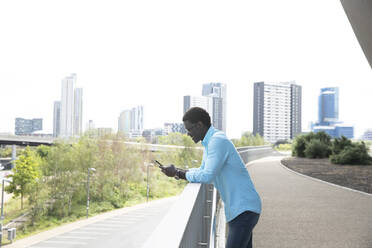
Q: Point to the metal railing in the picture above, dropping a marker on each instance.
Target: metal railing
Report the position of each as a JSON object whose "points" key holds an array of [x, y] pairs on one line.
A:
{"points": [[191, 221], [188, 222]]}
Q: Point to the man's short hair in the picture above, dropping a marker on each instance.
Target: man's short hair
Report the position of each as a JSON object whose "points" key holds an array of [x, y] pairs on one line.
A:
{"points": [[196, 114]]}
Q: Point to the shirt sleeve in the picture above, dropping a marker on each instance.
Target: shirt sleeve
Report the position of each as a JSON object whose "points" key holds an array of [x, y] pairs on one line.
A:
{"points": [[215, 159]]}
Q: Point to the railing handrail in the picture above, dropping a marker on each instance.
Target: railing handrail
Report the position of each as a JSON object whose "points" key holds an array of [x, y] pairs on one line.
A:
{"points": [[169, 232]]}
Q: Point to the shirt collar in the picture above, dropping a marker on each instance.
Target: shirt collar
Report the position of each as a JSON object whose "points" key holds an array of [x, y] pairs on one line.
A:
{"points": [[208, 135]]}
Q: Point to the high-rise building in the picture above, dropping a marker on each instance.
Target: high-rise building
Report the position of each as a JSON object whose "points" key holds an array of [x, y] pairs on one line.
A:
{"points": [[57, 119], [328, 106], [131, 121], [27, 126], [67, 106], [70, 109], [277, 110], [78, 112], [217, 91], [137, 119], [204, 102], [328, 112], [124, 122]]}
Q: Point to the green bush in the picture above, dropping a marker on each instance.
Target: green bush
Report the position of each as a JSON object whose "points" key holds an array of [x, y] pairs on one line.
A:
{"points": [[301, 143], [354, 154], [317, 149], [299, 146], [339, 144]]}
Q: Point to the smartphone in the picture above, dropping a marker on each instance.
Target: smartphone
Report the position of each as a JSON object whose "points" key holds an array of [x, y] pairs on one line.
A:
{"points": [[159, 164]]}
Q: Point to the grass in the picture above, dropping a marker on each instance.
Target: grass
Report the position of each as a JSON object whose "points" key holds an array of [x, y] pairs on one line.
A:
{"points": [[284, 147]]}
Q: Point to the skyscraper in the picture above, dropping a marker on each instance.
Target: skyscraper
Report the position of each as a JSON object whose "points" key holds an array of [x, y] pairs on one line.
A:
{"points": [[137, 118], [78, 112], [131, 121], [71, 109], [277, 110], [57, 119], [328, 106], [217, 91], [204, 102], [328, 115], [67, 106], [124, 122]]}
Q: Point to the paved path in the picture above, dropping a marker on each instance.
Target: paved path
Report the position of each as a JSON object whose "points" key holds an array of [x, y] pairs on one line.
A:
{"points": [[300, 212], [127, 228]]}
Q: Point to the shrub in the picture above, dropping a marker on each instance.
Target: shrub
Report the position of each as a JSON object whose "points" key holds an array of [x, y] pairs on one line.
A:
{"points": [[317, 149], [354, 154], [339, 144], [299, 146], [302, 142]]}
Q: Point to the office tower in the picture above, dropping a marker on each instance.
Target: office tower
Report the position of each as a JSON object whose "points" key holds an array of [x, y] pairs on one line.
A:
{"points": [[57, 119], [328, 106], [70, 110], [124, 121], [204, 102], [130, 122], [67, 106], [296, 107], [78, 112], [27, 126], [277, 110], [328, 112], [137, 119], [218, 93]]}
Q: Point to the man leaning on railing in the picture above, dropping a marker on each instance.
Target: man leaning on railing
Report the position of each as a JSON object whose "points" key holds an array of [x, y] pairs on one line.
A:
{"points": [[223, 167]]}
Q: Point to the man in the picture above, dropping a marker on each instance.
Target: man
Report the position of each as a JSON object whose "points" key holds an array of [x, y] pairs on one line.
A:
{"points": [[223, 167]]}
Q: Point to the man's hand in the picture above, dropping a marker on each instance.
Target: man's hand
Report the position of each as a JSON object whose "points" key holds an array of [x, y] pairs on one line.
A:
{"points": [[170, 170]]}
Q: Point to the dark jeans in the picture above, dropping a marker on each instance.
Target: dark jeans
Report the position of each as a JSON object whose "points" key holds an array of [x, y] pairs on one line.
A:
{"points": [[240, 230]]}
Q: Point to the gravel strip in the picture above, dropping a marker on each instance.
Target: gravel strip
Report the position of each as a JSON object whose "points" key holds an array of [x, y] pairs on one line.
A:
{"points": [[356, 177]]}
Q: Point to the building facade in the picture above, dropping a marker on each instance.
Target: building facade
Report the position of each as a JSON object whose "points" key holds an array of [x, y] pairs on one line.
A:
{"points": [[328, 111], [137, 119], [328, 115], [27, 126], [277, 110], [204, 102], [217, 91], [130, 122], [70, 109], [67, 106], [174, 128], [78, 112], [57, 119]]}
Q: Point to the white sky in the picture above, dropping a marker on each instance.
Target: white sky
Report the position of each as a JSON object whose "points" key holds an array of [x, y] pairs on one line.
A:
{"points": [[152, 53]]}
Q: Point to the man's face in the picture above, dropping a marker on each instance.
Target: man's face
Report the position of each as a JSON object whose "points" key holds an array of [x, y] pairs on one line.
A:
{"points": [[194, 130]]}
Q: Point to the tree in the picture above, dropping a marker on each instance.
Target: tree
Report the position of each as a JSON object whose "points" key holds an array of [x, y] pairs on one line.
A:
{"points": [[25, 174]]}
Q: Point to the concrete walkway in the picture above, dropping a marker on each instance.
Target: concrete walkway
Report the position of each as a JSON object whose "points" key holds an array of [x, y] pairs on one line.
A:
{"points": [[126, 227], [300, 212]]}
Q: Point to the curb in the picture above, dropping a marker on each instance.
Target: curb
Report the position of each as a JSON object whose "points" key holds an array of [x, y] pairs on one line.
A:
{"points": [[325, 182]]}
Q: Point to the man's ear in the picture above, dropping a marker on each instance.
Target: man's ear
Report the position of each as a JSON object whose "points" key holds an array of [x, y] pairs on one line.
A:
{"points": [[201, 124]]}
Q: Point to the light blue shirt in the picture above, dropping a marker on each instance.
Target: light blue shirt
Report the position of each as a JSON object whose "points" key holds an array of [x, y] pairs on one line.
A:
{"points": [[223, 166]]}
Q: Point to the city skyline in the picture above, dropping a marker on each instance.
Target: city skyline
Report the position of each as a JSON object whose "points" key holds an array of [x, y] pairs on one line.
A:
{"points": [[137, 54]]}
